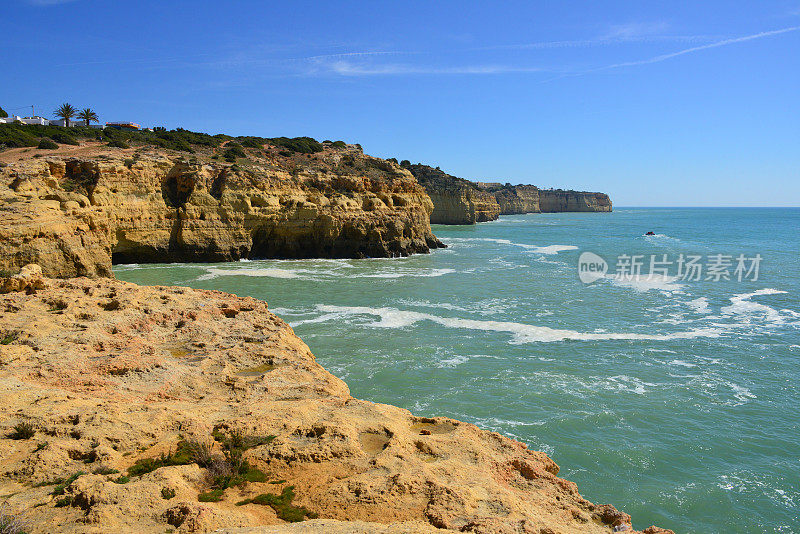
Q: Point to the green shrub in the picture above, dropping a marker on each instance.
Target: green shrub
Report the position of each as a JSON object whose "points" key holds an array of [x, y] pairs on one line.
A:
{"points": [[17, 136], [118, 143], [23, 430], [214, 495], [282, 504], [64, 139], [104, 471], [64, 484], [339, 144], [304, 145], [252, 142], [405, 163], [233, 151], [63, 501], [3, 113], [167, 493], [47, 144], [182, 456], [8, 339], [122, 479]]}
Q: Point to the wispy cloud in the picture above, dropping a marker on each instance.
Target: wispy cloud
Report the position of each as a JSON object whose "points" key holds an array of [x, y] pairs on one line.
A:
{"points": [[349, 64], [273, 61], [717, 44], [635, 32], [348, 68]]}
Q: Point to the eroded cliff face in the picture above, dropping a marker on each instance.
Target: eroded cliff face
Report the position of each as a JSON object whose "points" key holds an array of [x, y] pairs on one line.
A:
{"points": [[455, 200], [74, 215], [558, 200], [460, 201], [518, 199], [107, 376]]}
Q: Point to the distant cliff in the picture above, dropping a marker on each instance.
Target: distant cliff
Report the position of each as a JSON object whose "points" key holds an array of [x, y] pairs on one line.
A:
{"points": [[556, 200], [517, 199], [460, 201], [455, 200]]}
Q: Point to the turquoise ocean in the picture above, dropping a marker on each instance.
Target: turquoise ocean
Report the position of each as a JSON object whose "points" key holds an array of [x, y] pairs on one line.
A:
{"points": [[677, 400]]}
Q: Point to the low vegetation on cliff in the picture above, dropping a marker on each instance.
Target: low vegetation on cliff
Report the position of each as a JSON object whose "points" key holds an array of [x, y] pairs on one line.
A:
{"points": [[130, 200], [21, 135]]}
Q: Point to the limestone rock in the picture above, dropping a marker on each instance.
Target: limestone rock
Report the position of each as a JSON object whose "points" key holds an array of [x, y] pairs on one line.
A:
{"points": [[73, 216], [460, 201], [28, 279], [108, 373], [518, 199], [558, 200], [455, 200]]}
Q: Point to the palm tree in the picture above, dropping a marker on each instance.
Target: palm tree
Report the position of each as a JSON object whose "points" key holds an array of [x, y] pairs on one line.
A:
{"points": [[66, 112], [88, 115]]}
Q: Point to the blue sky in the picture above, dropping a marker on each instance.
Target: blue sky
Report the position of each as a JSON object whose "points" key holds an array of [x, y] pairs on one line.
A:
{"points": [[656, 103]]}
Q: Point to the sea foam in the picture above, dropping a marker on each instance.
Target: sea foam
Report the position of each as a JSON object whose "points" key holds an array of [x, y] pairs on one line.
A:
{"points": [[520, 332]]}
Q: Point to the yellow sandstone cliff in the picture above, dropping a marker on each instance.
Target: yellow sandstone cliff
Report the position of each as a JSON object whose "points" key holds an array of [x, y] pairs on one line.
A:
{"points": [[460, 201], [75, 214], [99, 376]]}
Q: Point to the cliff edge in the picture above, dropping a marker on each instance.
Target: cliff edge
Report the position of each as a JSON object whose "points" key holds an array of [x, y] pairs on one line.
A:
{"points": [[146, 409], [77, 210], [460, 201], [455, 200]]}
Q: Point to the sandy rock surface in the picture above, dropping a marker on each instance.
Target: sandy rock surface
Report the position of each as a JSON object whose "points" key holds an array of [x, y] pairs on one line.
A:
{"points": [[108, 373]]}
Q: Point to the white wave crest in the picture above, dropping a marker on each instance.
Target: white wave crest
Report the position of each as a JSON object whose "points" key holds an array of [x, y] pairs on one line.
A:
{"points": [[520, 332], [213, 272], [642, 282], [741, 305], [699, 305], [546, 249], [402, 273], [552, 249]]}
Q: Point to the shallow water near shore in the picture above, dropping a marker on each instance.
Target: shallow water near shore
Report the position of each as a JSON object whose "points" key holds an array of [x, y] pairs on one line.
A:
{"points": [[677, 401]]}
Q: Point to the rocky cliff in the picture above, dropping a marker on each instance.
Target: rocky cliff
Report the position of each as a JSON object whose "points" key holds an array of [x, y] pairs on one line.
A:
{"points": [[558, 200], [76, 211], [455, 200], [460, 201], [517, 199], [151, 409]]}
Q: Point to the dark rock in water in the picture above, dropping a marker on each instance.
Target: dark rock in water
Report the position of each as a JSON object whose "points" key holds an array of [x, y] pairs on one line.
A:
{"points": [[650, 233]]}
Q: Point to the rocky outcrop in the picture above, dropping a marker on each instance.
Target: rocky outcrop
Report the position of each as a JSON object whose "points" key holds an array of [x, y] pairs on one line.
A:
{"points": [[29, 279], [558, 200], [455, 200], [460, 201], [121, 408], [75, 216], [517, 199]]}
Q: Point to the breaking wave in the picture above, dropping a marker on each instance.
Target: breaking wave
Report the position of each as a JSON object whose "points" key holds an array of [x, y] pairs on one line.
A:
{"points": [[520, 332]]}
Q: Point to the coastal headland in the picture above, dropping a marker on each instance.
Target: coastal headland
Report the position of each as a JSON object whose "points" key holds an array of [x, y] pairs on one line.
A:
{"points": [[128, 408]]}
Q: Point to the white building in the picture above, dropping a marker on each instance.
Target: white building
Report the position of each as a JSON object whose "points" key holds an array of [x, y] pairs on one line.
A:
{"points": [[25, 120], [35, 120], [46, 122]]}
